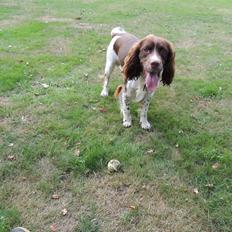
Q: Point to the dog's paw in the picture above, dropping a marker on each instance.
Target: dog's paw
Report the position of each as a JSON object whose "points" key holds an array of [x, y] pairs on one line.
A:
{"points": [[126, 123], [146, 125], [104, 93]]}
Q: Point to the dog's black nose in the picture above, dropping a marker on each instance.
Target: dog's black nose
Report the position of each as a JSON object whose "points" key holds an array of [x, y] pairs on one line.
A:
{"points": [[155, 64]]}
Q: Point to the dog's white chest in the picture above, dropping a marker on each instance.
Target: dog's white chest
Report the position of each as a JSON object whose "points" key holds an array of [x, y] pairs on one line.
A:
{"points": [[140, 94], [136, 90]]}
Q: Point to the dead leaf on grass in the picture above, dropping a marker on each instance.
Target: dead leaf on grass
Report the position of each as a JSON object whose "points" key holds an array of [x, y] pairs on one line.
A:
{"points": [[132, 207], [11, 157], [209, 185], [195, 190], [150, 151], [216, 166], [64, 211], [103, 110], [77, 152], [45, 85], [55, 196], [53, 227]]}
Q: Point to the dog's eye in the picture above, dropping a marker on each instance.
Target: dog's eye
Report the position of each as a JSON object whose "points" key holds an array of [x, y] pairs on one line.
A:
{"points": [[147, 49]]}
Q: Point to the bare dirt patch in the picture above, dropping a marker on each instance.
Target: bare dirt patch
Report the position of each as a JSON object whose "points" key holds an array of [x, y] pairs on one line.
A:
{"points": [[188, 43], [50, 19], [4, 101], [59, 46], [15, 20], [75, 23]]}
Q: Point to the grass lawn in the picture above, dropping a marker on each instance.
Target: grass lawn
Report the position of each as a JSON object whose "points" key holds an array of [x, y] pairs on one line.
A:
{"points": [[57, 134]]}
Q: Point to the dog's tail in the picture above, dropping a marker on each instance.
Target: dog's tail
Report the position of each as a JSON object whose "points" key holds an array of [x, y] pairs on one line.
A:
{"points": [[117, 31], [118, 91]]}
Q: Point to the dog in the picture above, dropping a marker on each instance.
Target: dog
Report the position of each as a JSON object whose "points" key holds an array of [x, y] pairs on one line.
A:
{"points": [[144, 63]]}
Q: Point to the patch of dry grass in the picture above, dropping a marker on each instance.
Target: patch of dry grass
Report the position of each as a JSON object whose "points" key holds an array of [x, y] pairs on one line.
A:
{"points": [[121, 202]]}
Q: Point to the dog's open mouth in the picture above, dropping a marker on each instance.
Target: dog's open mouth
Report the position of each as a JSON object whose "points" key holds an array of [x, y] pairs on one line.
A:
{"points": [[151, 80]]}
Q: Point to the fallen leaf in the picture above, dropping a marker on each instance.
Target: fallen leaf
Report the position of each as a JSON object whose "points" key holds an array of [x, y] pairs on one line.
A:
{"points": [[195, 190], [77, 152], [103, 110], [55, 196], [216, 166], [64, 212], [45, 85], [209, 185], [23, 118], [132, 207], [53, 227], [150, 151], [11, 157], [94, 221], [93, 108]]}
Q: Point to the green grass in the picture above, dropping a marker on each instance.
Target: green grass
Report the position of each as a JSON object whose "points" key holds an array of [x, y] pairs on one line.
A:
{"points": [[8, 218], [49, 44]]}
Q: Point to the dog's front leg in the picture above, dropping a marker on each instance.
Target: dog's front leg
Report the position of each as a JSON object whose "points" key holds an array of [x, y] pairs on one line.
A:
{"points": [[125, 108], [143, 112]]}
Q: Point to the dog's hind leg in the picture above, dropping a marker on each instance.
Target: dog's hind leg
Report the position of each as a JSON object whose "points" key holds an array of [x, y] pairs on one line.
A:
{"points": [[111, 61]]}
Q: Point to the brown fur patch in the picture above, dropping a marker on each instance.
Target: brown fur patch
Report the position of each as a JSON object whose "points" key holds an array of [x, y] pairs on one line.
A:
{"points": [[118, 90], [122, 46]]}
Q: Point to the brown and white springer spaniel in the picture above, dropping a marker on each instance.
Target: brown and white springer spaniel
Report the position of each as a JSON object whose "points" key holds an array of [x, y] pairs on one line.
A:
{"points": [[144, 64]]}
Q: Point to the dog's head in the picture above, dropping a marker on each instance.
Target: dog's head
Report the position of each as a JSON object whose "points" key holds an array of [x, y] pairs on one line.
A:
{"points": [[154, 57]]}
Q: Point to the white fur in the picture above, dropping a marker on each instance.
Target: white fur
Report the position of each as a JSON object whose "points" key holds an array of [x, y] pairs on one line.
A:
{"points": [[155, 57], [111, 61], [117, 31]]}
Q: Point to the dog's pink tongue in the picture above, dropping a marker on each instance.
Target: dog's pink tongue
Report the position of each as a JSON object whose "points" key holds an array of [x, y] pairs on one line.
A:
{"points": [[152, 81]]}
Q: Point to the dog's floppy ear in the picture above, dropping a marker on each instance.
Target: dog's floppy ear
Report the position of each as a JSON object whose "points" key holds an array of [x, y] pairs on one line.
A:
{"points": [[169, 65], [132, 67]]}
